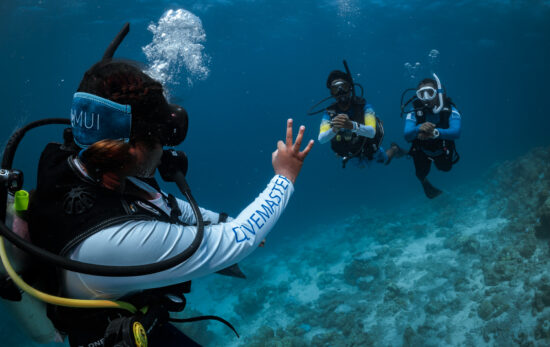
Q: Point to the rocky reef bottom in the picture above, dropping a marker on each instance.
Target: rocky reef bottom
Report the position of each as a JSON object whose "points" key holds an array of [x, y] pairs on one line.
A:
{"points": [[471, 268]]}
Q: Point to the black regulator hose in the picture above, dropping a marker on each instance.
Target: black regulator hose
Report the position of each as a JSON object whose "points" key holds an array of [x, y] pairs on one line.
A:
{"points": [[403, 105], [9, 154], [105, 270], [313, 111], [94, 269]]}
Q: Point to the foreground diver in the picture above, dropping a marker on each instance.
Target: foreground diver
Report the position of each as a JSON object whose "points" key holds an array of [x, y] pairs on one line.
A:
{"points": [[351, 126], [432, 126], [96, 201]]}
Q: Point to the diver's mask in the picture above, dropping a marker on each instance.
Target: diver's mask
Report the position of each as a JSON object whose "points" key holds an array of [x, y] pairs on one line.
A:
{"points": [[426, 93], [94, 118], [340, 89], [339, 86], [429, 95]]}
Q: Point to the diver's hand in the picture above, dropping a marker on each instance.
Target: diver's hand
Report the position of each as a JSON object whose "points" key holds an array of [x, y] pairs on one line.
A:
{"points": [[342, 121], [426, 131], [287, 160], [427, 127]]}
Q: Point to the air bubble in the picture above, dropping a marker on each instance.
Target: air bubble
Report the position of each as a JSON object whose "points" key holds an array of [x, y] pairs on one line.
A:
{"points": [[411, 70], [177, 46], [433, 57]]}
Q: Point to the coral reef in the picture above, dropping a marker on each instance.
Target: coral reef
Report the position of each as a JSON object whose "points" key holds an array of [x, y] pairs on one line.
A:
{"points": [[472, 272]]}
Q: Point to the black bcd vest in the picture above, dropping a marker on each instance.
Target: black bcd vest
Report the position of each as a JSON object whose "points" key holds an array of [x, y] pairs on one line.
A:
{"points": [[353, 145], [434, 145], [66, 208]]}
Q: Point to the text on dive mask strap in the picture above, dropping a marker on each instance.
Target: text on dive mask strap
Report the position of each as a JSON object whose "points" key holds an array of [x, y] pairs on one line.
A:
{"points": [[94, 118]]}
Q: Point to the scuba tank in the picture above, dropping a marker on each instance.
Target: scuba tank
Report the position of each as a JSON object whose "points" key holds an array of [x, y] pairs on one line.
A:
{"points": [[28, 312], [16, 208]]}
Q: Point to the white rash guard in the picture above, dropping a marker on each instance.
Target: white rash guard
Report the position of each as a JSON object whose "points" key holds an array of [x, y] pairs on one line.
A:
{"points": [[145, 242]]}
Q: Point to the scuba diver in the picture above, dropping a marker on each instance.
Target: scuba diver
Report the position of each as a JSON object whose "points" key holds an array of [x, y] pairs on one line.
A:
{"points": [[432, 126], [99, 215], [350, 123]]}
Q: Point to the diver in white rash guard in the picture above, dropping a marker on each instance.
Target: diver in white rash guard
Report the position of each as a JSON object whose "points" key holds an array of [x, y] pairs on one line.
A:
{"points": [[98, 203], [140, 242]]}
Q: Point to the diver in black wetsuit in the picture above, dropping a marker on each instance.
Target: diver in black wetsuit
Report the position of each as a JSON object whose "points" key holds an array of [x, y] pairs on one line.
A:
{"points": [[432, 127]]}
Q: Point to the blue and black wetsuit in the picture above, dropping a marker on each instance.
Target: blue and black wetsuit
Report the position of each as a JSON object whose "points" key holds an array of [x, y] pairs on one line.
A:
{"points": [[440, 150]]}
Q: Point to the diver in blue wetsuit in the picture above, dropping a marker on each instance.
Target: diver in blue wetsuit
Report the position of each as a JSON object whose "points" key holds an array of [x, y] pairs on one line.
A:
{"points": [[432, 127], [351, 126]]}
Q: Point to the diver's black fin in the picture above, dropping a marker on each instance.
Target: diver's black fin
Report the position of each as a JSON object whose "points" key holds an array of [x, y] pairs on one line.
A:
{"points": [[430, 191], [233, 271]]}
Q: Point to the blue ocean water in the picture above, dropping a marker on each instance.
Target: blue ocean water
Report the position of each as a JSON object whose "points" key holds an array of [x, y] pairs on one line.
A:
{"points": [[265, 61]]}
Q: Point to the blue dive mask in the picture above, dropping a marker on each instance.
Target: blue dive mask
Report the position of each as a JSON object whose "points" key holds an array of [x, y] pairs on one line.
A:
{"points": [[94, 118]]}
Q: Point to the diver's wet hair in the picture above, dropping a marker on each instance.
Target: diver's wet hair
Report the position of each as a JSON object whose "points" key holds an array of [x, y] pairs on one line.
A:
{"points": [[108, 156], [335, 75], [429, 81]]}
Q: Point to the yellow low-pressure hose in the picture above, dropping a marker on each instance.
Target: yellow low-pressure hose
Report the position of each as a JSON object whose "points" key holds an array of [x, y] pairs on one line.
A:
{"points": [[56, 300]]}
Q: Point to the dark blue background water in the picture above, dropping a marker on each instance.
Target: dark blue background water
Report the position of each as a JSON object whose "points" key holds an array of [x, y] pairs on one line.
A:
{"points": [[270, 60]]}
